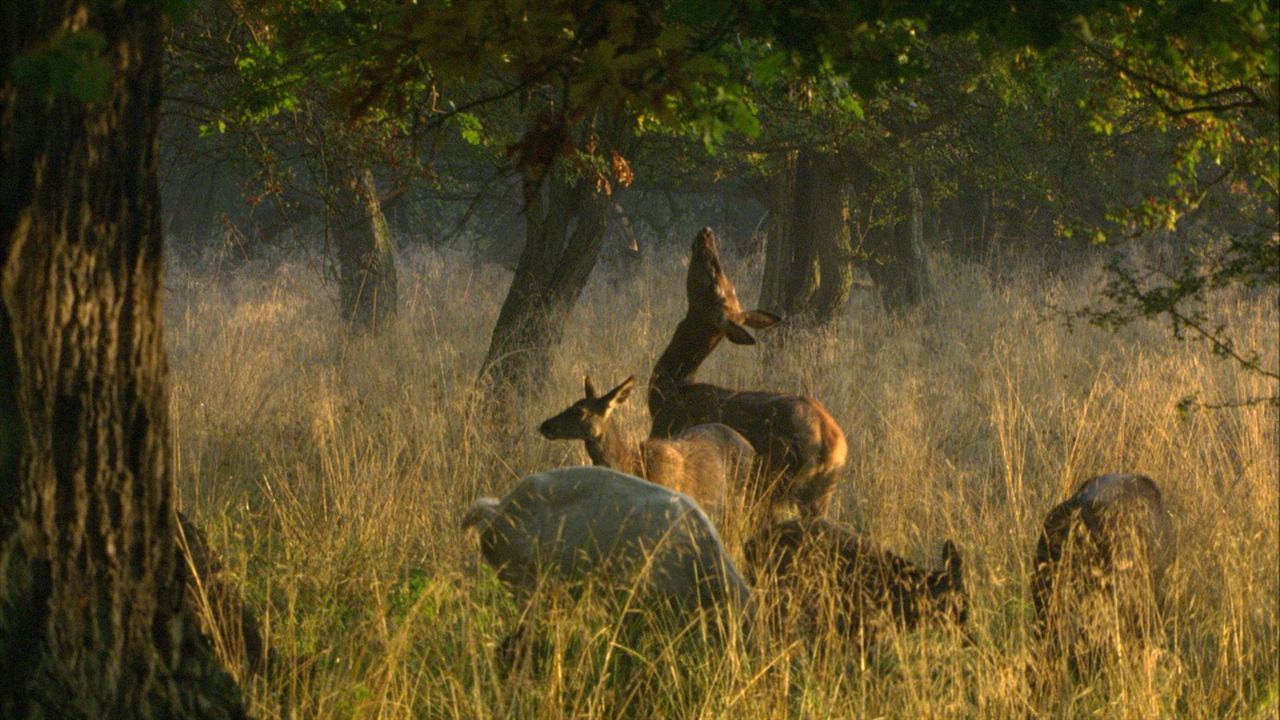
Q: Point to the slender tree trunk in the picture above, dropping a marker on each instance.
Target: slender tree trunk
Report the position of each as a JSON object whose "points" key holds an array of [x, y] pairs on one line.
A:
{"points": [[804, 275], [780, 243], [828, 222], [808, 272], [366, 256], [896, 254], [92, 615], [565, 225]]}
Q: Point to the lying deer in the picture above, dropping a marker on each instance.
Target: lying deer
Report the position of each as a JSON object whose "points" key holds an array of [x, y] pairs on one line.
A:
{"points": [[800, 443], [698, 462], [593, 523], [1100, 565], [819, 565]]}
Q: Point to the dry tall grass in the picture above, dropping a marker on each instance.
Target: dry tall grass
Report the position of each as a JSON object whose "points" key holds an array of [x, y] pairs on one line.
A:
{"points": [[333, 474]]}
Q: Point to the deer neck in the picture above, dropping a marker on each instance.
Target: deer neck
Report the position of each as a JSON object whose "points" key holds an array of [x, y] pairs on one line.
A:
{"points": [[612, 451], [692, 342]]}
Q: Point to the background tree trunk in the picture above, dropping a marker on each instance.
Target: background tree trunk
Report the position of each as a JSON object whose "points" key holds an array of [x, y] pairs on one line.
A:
{"points": [[779, 243], [808, 272], [366, 256], [803, 274], [565, 225], [894, 248], [827, 221], [92, 616]]}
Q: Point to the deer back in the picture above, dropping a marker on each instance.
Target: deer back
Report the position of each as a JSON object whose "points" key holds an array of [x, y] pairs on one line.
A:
{"points": [[1112, 536], [700, 462], [592, 522], [814, 560]]}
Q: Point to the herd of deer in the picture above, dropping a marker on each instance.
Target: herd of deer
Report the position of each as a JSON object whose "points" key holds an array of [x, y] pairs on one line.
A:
{"points": [[637, 517]]}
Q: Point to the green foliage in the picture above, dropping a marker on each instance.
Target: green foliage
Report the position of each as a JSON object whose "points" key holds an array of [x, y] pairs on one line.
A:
{"points": [[470, 128], [682, 66], [1205, 75], [1101, 120]]}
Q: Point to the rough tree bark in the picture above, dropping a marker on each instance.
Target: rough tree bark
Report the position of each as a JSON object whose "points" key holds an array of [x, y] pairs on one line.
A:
{"points": [[365, 254], [826, 214], [92, 618], [808, 259]]}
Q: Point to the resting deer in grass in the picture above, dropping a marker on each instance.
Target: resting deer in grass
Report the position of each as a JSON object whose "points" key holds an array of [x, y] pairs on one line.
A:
{"points": [[698, 462], [819, 566], [653, 549], [1099, 568], [802, 446]]}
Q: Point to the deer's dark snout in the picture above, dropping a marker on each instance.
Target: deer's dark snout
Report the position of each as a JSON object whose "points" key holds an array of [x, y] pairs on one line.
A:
{"points": [[548, 428]]}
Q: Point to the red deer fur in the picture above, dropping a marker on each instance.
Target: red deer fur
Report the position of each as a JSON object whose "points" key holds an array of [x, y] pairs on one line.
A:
{"points": [[800, 443]]}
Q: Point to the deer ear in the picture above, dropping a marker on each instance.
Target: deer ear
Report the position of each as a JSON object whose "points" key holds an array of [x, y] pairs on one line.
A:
{"points": [[951, 565], [587, 388], [759, 319], [737, 334], [619, 395]]}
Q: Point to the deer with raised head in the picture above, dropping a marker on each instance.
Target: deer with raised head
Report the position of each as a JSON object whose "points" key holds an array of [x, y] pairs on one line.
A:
{"points": [[699, 462], [1100, 565], [800, 443]]}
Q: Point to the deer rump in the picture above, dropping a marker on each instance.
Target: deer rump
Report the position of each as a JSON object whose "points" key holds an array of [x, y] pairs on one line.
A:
{"points": [[794, 437]]}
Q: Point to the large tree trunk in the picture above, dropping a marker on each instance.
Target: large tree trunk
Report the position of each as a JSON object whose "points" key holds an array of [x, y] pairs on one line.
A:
{"points": [[366, 256], [92, 618], [808, 272], [565, 225]]}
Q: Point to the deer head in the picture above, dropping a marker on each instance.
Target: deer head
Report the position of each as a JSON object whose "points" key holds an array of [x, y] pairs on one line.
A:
{"points": [[587, 418], [713, 300]]}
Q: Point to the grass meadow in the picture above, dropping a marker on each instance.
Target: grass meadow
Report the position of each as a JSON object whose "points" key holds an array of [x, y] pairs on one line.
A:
{"points": [[333, 473]]}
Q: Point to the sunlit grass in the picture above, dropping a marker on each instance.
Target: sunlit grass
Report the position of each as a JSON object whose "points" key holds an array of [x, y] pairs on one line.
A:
{"points": [[333, 474]]}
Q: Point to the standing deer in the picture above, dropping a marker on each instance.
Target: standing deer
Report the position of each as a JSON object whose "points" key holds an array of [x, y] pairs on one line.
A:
{"points": [[698, 462], [800, 443], [1099, 568]]}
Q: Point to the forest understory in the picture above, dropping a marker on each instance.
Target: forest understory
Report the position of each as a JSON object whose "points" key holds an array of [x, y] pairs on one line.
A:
{"points": [[332, 472]]}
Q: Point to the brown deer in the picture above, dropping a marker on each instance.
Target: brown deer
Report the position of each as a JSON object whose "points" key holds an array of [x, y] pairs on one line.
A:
{"points": [[698, 462], [800, 443], [818, 565], [1100, 565]]}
